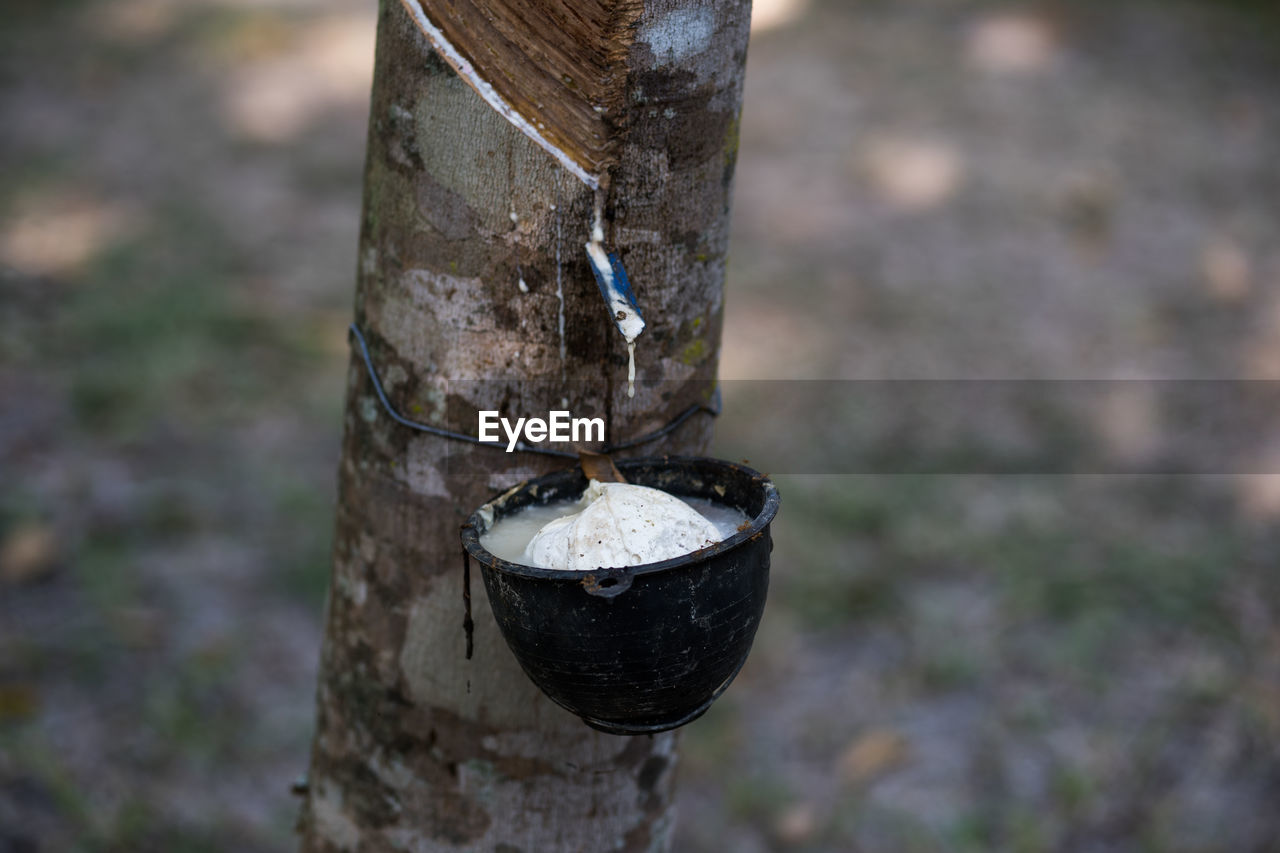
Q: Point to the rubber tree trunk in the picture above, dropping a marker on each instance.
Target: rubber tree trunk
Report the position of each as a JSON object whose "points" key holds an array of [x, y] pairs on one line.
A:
{"points": [[474, 292]]}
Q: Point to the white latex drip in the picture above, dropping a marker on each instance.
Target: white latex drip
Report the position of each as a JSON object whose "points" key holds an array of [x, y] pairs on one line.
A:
{"points": [[560, 282], [627, 319], [631, 368]]}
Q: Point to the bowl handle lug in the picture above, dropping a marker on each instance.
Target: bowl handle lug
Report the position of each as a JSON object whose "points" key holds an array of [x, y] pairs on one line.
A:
{"points": [[607, 583]]}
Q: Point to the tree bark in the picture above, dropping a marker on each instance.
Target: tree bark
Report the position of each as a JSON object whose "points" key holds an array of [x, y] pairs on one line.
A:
{"points": [[474, 292]]}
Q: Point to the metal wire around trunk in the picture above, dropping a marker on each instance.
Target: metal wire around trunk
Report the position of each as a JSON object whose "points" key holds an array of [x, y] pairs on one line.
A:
{"points": [[712, 409]]}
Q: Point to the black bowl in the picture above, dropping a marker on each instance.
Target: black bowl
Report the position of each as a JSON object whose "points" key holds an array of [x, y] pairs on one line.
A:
{"points": [[641, 649]]}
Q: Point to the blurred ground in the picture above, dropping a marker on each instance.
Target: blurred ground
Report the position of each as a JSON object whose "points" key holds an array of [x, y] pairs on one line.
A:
{"points": [[926, 189]]}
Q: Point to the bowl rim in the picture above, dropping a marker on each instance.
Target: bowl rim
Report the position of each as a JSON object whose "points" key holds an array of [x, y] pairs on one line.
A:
{"points": [[488, 560]]}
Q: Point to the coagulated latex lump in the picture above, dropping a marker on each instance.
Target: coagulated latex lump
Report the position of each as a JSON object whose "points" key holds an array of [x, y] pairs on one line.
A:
{"points": [[620, 525]]}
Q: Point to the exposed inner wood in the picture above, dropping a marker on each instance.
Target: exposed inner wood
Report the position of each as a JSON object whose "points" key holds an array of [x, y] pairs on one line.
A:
{"points": [[559, 63], [599, 466]]}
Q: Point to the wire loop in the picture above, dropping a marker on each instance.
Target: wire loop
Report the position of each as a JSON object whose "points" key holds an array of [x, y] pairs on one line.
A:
{"points": [[713, 409]]}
